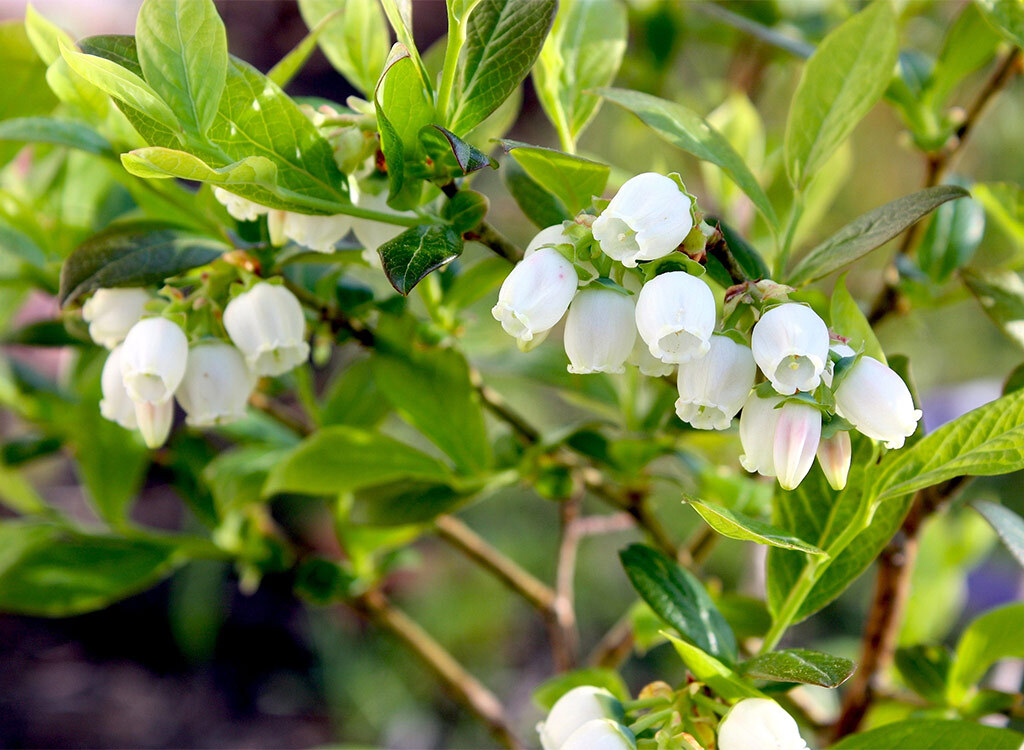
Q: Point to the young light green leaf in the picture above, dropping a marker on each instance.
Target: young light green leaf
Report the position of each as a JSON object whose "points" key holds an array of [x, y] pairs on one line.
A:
{"points": [[57, 132], [970, 43], [1007, 524], [155, 162], [17, 493], [738, 526], [183, 51], [799, 665], [687, 130], [847, 319], [416, 252], [45, 35], [1004, 205], [1007, 16], [993, 636], [846, 75], [287, 67], [679, 599], [1001, 295], [355, 38], [932, 734], [572, 179], [707, 669], [870, 231], [537, 203], [24, 91]]}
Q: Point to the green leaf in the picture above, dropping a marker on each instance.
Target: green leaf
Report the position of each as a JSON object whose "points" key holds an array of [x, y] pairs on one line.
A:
{"points": [[416, 252], [503, 39], [953, 234], [1007, 524], [799, 665], [969, 44], [993, 636], [24, 91], [476, 282], [17, 493], [707, 669], [352, 398], [932, 734], [287, 67], [1001, 295], [679, 599], [687, 130], [870, 231], [45, 572], [1007, 16], [19, 247], [341, 458], [582, 53], [848, 320], [537, 203], [236, 477], [548, 692], [469, 157], [738, 526], [138, 254], [750, 260], [44, 35], [1004, 205], [183, 51], [846, 75], [57, 132], [155, 162], [572, 179], [405, 502], [356, 41], [465, 210], [405, 101], [431, 389], [925, 669]]}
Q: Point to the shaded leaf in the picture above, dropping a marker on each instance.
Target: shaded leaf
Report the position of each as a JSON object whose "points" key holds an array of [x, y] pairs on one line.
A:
{"points": [[799, 665], [925, 669], [57, 132], [538, 204], [416, 252], [465, 210], [405, 502], [993, 636], [953, 234], [1007, 524], [573, 179]]}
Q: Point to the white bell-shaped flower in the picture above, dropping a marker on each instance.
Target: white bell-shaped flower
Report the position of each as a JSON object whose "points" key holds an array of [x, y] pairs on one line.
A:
{"points": [[647, 219], [111, 313], [876, 401], [240, 208], [318, 233], [216, 386], [266, 323], [599, 331], [675, 315], [601, 734], [116, 405], [552, 235], [154, 421], [574, 709], [834, 455], [797, 435], [535, 295], [713, 388], [757, 434], [153, 360], [646, 362], [759, 723], [790, 344]]}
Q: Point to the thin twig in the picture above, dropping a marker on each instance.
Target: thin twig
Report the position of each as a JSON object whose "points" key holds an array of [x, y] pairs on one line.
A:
{"points": [[598, 525], [490, 237], [616, 645], [566, 643], [280, 413]]}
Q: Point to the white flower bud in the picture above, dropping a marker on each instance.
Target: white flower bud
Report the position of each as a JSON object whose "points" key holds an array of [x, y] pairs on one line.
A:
{"points": [[797, 434], [790, 344], [713, 388], [318, 233], [875, 400], [601, 734], [266, 323], [240, 208], [153, 360], [116, 405], [216, 386], [834, 456], [154, 421], [646, 362], [647, 219], [573, 710], [535, 295], [552, 235], [675, 315], [757, 434], [759, 723], [599, 331], [111, 313]]}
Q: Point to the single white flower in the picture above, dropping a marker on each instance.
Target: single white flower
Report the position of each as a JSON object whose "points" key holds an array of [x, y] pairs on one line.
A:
{"points": [[216, 386], [153, 360], [599, 331], [757, 434], [154, 421], [790, 344], [876, 401], [713, 388], [601, 734], [535, 295], [646, 362], [574, 709], [797, 434], [834, 456], [759, 724], [318, 233], [116, 405], [266, 323], [111, 313], [240, 208], [647, 219], [675, 315]]}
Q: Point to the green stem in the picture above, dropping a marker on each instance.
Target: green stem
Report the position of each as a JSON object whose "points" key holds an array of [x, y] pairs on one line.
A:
{"points": [[453, 48], [782, 258], [334, 207], [649, 720]]}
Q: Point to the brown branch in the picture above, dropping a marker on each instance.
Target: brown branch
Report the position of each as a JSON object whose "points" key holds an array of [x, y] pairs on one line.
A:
{"points": [[497, 405], [280, 413], [565, 639], [885, 617], [616, 645], [490, 237], [469, 691]]}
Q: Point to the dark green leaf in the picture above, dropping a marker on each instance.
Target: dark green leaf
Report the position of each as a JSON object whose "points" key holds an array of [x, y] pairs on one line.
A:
{"points": [[932, 734], [738, 526], [416, 252], [58, 132], [749, 259], [465, 210], [925, 669], [404, 502], [1007, 524], [573, 179], [537, 203], [799, 665], [1001, 295], [953, 234], [469, 157], [548, 692]]}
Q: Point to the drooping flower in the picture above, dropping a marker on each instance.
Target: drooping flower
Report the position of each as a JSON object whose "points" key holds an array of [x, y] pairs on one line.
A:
{"points": [[647, 219], [266, 323], [318, 233], [646, 362], [153, 360], [790, 344], [216, 385], [797, 434], [834, 456], [757, 434], [761, 724], [238, 207], [111, 313], [599, 331], [154, 421], [535, 295], [876, 401], [116, 405], [601, 734], [573, 710], [713, 388], [675, 315]]}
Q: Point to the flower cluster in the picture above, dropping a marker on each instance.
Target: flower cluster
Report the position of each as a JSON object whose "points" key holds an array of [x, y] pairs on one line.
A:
{"points": [[622, 303], [151, 362]]}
